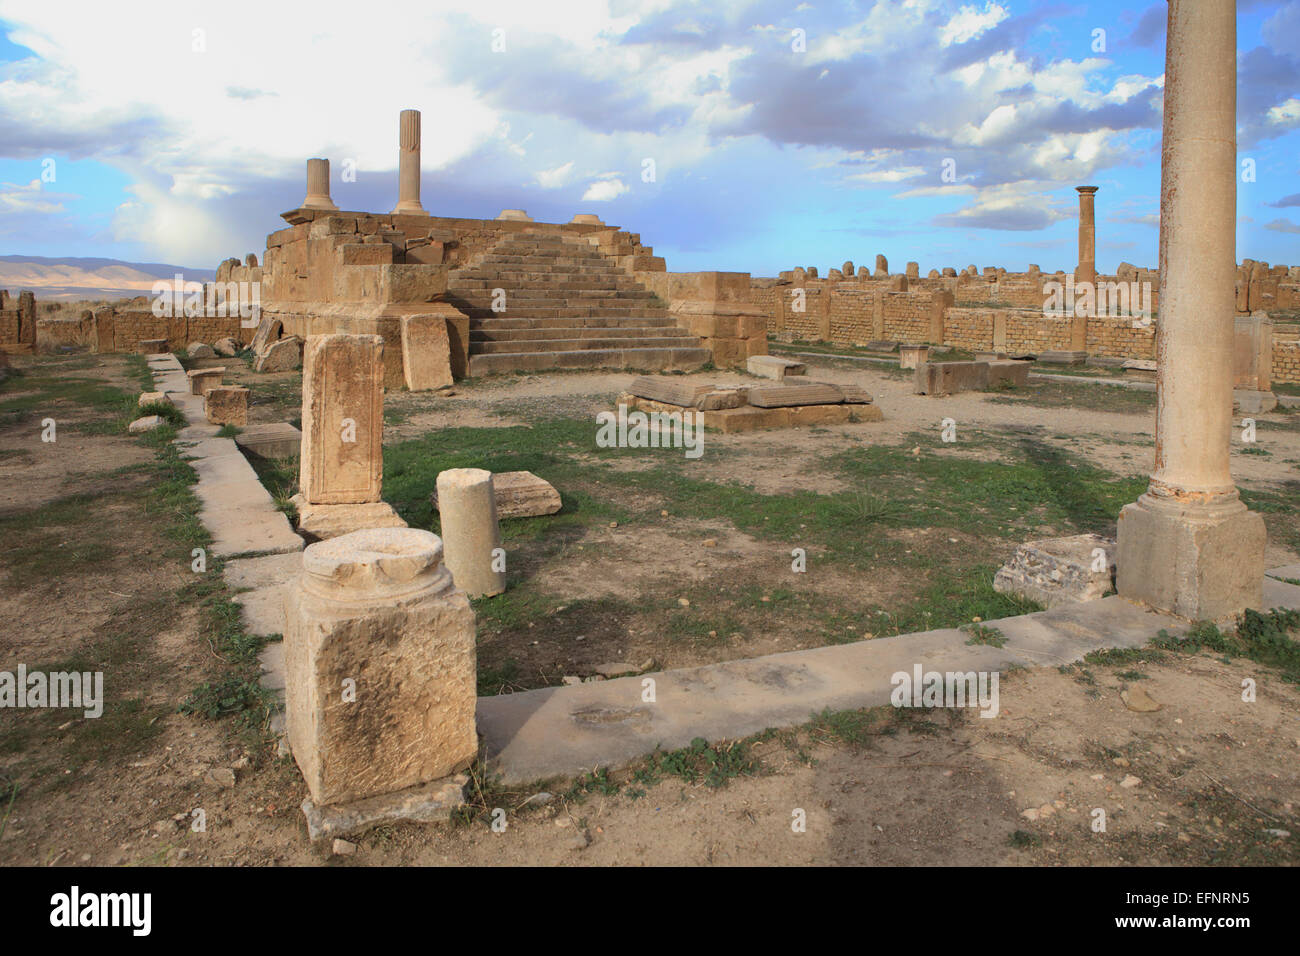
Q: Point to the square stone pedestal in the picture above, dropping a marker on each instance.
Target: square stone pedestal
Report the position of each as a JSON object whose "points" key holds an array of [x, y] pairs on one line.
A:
{"points": [[1251, 401], [1199, 561]]}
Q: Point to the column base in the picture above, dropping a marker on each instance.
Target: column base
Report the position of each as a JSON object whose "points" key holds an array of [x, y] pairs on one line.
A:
{"points": [[409, 207], [1198, 560], [318, 202], [1250, 401]]}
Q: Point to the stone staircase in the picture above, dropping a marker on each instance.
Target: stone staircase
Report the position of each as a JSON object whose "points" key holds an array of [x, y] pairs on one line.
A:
{"points": [[566, 306]]}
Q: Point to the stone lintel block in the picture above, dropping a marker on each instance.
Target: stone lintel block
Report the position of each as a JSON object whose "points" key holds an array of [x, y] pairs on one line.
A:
{"points": [[782, 396], [325, 226], [668, 390], [1008, 372], [378, 609], [153, 346], [1198, 560]]}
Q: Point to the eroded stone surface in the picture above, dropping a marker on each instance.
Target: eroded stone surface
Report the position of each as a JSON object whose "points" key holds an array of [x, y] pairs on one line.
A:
{"points": [[377, 612], [1055, 571]]}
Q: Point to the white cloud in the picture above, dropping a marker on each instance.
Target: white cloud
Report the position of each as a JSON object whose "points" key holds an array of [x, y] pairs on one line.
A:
{"points": [[555, 178], [970, 22], [603, 190], [30, 198]]}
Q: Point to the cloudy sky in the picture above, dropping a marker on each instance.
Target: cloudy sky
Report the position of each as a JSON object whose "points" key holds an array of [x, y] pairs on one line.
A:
{"points": [[779, 133]]}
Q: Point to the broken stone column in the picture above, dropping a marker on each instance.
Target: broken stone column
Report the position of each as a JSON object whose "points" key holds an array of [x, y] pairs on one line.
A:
{"points": [[470, 532], [408, 165], [1189, 545], [1087, 269], [341, 468], [380, 680], [318, 185]]}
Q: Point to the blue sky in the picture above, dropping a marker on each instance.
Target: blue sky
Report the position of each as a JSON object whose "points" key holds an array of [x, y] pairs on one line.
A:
{"points": [[179, 134]]}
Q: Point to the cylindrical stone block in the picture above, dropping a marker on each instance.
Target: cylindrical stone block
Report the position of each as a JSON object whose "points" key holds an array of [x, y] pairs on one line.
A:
{"points": [[408, 164], [318, 185], [380, 670], [470, 532]]}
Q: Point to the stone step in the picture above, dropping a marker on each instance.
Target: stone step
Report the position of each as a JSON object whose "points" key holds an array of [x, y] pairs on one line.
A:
{"points": [[630, 358], [577, 332], [529, 297], [582, 344], [549, 284], [518, 322], [597, 310], [485, 300], [526, 266]]}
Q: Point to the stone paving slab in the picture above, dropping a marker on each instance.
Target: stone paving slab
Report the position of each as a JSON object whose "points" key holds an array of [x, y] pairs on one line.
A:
{"points": [[233, 504], [564, 731], [1291, 571], [262, 607]]}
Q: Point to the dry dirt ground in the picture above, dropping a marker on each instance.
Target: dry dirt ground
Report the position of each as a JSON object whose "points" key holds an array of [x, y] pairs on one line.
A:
{"points": [[95, 573]]}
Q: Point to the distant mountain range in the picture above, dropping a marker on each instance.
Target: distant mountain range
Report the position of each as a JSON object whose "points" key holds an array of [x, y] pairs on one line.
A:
{"points": [[89, 278]]}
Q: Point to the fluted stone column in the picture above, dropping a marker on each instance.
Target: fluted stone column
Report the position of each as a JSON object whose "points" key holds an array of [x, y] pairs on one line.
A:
{"points": [[1189, 545], [1087, 269], [408, 165], [318, 185]]}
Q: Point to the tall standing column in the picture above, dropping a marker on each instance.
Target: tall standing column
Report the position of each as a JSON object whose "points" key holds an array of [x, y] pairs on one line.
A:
{"points": [[1087, 269], [1189, 545], [318, 185], [408, 165]]}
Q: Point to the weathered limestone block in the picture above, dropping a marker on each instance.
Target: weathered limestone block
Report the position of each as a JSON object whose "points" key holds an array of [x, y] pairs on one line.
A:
{"points": [[148, 397], [520, 494], [470, 531], [342, 419], [948, 378], [146, 424], [200, 350], [847, 269], [226, 347], [671, 391], [913, 270], [202, 379], [774, 367], [268, 330], [153, 346], [426, 352], [912, 356], [284, 355], [1057, 571], [882, 267], [725, 397], [783, 396], [270, 440], [226, 405], [376, 611], [1007, 372]]}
